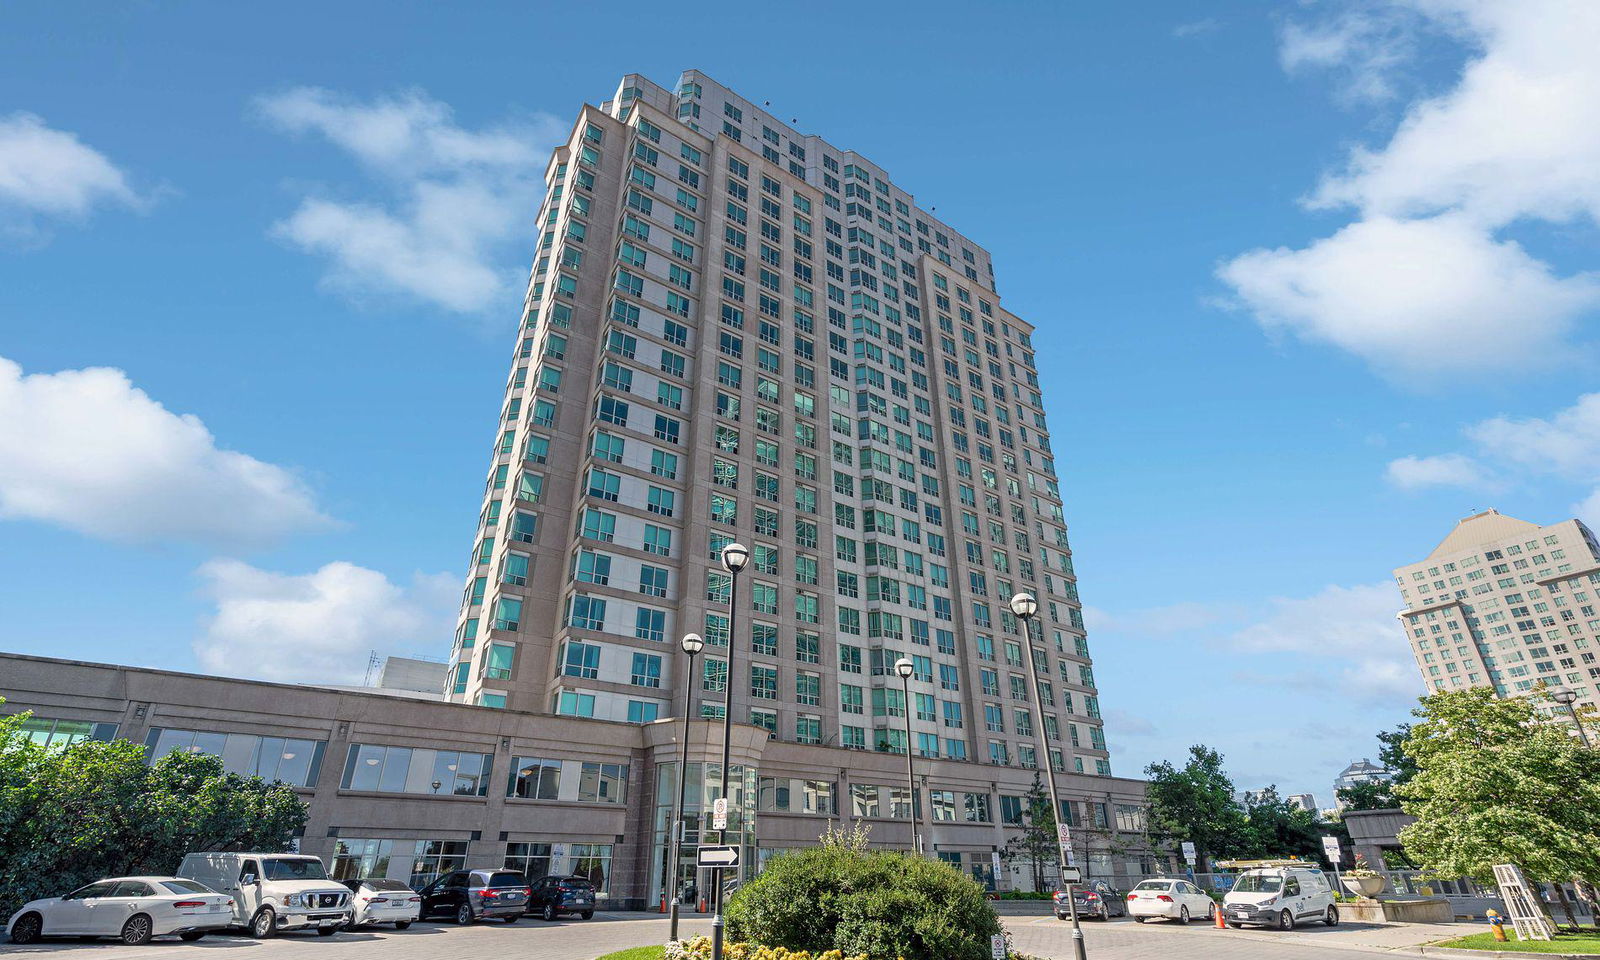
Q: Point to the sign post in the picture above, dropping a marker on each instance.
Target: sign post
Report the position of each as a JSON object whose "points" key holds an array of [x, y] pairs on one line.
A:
{"points": [[1188, 856], [1335, 854]]}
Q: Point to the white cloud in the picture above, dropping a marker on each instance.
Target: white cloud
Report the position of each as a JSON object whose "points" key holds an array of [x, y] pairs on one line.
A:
{"points": [[1564, 446], [49, 172], [457, 197], [1365, 46], [1196, 28], [89, 451], [318, 627], [1446, 470], [1415, 297], [1423, 281]]}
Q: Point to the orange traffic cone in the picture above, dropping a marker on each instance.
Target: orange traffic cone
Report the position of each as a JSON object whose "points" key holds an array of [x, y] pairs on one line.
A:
{"points": [[1216, 914]]}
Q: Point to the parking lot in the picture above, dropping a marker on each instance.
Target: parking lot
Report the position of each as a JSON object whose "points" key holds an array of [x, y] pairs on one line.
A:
{"points": [[572, 939]]}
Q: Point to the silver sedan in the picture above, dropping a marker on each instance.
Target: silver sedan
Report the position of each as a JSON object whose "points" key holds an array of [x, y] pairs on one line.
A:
{"points": [[132, 909]]}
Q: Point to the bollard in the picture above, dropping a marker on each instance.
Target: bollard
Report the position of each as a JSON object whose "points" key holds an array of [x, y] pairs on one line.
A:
{"points": [[1496, 924]]}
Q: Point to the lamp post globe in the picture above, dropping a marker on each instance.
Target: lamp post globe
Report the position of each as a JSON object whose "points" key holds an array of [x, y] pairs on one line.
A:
{"points": [[1025, 606], [903, 668], [734, 557], [692, 643], [1564, 695]]}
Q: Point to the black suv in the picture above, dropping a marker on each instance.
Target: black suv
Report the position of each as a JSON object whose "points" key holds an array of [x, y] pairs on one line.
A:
{"points": [[553, 896], [469, 895]]}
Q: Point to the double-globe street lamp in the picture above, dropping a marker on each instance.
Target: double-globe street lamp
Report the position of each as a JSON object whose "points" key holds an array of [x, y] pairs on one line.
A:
{"points": [[734, 558], [1026, 609], [1567, 697], [691, 644], [904, 668]]}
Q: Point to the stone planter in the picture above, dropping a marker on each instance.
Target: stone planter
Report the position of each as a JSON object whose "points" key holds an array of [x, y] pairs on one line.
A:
{"points": [[1364, 886]]}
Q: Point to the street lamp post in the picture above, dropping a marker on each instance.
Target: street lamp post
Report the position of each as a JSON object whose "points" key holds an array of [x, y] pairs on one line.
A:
{"points": [[1026, 609], [734, 558], [691, 644], [904, 668], [1568, 697]]}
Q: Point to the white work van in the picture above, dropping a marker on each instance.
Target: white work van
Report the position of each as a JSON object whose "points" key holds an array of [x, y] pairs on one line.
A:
{"points": [[1280, 894], [273, 892]]}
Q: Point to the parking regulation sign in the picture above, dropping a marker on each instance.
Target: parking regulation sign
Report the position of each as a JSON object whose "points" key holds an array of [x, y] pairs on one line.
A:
{"points": [[719, 813]]}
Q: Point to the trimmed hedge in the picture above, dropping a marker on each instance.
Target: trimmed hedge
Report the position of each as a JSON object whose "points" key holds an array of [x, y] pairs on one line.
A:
{"points": [[886, 906]]}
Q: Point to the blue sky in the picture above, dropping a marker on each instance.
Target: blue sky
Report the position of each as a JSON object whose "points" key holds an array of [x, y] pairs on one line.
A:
{"points": [[1312, 281]]}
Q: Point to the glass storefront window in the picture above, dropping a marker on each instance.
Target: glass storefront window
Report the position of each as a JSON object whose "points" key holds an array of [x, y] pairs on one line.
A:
{"points": [[289, 760], [383, 769]]}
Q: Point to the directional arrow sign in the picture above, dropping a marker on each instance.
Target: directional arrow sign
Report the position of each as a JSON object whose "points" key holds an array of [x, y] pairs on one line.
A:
{"points": [[717, 856]]}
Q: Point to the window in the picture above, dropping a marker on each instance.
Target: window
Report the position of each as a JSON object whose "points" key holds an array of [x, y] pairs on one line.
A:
{"points": [[646, 670], [535, 779], [294, 762], [384, 769], [581, 660], [602, 783]]}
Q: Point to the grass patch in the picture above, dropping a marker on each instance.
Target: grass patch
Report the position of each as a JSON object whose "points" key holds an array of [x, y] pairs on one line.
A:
{"points": [[637, 953], [1582, 944]]}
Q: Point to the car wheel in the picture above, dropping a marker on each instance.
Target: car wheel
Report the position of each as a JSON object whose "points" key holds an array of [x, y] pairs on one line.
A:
{"points": [[585, 915], [1331, 918], [1138, 919], [28, 928], [513, 918], [191, 936], [402, 924], [1234, 926], [264, 924], [464, 914], [1183, 915], [327, 931], [549, 913], [1103, 914], [138, 930], [1285, 921]]}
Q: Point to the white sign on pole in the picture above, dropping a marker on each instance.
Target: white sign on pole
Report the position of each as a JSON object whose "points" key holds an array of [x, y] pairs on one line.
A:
{"points": [[994, 863], [1063, 833], [1330, 846], [719, 813], [1188, 852], [713, 856], [1067, 857], [1071, 875], [997, 947]]}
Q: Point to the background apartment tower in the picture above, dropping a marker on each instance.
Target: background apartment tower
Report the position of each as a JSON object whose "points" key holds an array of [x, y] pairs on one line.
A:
{"points": [[1509, 604], [735, 330]]}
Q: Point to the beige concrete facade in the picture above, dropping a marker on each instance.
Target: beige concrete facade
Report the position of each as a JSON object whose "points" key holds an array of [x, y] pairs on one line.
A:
{"points": [[737, 331], [1505, 603], [450, 784]]}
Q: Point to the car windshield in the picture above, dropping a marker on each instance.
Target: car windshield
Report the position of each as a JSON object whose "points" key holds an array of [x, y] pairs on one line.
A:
{"points": [[186, 886], [383, 884], [1258, 883], [1161, 885], [296, 869]]}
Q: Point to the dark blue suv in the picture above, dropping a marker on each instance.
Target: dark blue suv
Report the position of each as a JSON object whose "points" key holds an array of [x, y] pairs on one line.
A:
{"points": [[553, 896]]}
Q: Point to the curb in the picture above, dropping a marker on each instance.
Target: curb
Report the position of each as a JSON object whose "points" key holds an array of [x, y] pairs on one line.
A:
{"points": [[1506, 954]]}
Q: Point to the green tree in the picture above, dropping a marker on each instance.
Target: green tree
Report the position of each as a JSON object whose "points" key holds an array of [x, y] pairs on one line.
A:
{"points": [[93, 809], [1277, 828], [1195, 803], [1496, 783], [1036, 845]]}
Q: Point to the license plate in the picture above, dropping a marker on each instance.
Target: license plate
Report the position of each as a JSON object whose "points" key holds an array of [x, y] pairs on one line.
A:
{"points": [[1241, 913]]}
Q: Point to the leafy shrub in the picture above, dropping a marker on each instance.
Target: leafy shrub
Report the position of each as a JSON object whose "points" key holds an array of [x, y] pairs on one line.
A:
{"points": [[700, 949], [881, 905]]}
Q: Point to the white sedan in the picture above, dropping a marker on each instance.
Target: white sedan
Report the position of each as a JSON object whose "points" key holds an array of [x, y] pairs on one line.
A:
{"points": [[379, 900], [1177, 900], [133, 909]]}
